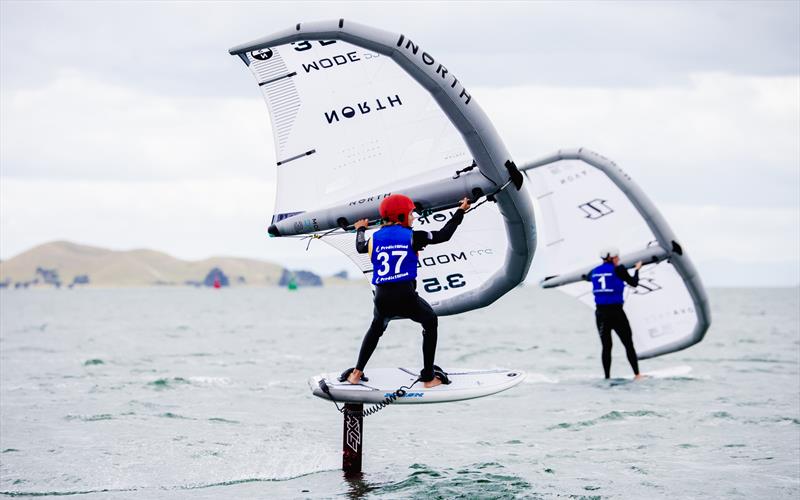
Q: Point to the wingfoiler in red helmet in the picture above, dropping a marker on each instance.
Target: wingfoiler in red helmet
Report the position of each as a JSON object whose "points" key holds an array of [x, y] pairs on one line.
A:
{"points": [[396, 207]]}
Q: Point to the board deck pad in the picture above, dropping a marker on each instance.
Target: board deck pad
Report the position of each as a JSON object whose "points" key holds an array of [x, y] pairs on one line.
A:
{"points": [[466, 384]]}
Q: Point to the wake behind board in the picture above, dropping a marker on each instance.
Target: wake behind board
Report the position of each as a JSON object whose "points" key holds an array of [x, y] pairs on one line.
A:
{"points": [[383, 382]]}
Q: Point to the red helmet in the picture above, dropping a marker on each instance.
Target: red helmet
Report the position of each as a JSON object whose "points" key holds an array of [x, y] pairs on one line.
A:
{"points": [[396, 207]]}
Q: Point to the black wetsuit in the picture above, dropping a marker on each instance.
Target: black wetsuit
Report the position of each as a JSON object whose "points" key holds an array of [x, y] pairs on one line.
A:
{"points": [[400, 300], [612, 317]]}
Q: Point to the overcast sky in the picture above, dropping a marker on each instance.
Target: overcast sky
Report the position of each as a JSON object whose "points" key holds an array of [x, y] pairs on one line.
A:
{"points": [[127, 125]]}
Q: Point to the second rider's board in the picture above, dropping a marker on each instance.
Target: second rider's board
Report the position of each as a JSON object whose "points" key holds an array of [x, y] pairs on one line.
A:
{"points": [[384, 382], [671, 372]]}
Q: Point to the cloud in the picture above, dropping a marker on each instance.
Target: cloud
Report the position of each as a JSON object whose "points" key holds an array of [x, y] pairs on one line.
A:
{"points": [[743, 235], [179, 48], [721, 140], [81, 128]]}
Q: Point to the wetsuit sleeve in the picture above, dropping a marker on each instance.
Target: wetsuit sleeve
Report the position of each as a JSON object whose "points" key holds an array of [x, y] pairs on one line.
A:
{"points": [[622, 274], [425, 238], [361, 241]]}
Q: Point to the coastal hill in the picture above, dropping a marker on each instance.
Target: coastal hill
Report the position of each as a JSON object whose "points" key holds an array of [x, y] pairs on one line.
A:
{"points": [[64, 263]]}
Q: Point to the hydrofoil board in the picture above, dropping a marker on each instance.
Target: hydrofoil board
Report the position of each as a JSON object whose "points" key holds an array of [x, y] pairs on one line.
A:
{"points": [[383, 382]]}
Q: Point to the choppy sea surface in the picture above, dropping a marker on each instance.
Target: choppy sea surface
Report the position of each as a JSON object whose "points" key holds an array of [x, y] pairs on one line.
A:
{"points": [[202, 393]]}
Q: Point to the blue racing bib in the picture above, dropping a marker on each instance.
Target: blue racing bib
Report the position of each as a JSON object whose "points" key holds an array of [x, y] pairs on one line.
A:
{"points": [[606, 285], [393, 258]]}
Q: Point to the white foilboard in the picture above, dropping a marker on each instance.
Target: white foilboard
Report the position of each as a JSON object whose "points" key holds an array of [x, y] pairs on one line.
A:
{"points": [[383, 382]]}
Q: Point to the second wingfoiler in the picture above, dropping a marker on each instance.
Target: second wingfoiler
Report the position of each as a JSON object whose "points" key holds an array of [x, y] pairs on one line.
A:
{"points": [[585, 202]]}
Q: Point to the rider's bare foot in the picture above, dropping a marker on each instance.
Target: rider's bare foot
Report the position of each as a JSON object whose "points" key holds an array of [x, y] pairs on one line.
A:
{"points": [[355, 376], [432, 383], [638, 377]]}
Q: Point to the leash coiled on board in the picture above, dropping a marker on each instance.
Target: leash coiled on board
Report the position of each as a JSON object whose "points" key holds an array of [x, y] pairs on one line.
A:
{"points": [[391, 398]]}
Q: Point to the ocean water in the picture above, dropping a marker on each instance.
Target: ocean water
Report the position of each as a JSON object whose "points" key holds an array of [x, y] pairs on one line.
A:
{"points": [[195, 393]]}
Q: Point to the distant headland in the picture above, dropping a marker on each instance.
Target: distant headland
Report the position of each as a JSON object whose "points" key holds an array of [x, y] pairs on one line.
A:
{"points": [[63, 264]]}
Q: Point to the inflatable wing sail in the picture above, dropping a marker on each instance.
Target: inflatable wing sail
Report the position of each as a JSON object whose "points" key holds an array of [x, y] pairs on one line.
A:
{"points": [[358, 114], [585, 202]]}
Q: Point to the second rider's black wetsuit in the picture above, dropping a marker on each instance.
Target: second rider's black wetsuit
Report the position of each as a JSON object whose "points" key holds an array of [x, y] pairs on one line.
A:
{"points": [[612, 317], [400, 300]]}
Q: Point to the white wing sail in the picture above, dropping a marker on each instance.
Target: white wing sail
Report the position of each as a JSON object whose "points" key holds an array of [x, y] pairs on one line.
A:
{"points": [[584, 202], [358, 114]]}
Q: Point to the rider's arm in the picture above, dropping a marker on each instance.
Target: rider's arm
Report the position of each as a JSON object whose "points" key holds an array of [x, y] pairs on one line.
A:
{"points": [[362, 244], [622, 273], [424, 238]]}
